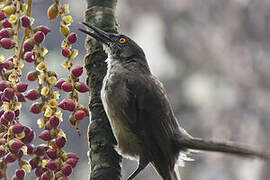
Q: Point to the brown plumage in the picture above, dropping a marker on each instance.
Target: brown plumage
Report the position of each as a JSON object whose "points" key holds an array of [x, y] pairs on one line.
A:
{"points": [[140, 114]]}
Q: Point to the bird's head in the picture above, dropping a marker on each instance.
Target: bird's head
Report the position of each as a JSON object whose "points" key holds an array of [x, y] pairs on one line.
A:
{"points": [[117, 46]]}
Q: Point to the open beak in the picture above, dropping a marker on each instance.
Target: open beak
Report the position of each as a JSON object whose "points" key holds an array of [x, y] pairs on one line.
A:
{"points": [[98, 34]]}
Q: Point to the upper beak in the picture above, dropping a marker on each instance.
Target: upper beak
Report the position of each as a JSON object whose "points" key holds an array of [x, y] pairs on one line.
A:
{"points": [[98, 34]]}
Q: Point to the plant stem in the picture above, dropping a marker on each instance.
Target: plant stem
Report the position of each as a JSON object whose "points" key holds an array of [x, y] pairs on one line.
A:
{"points": [[26, 30], [105, 161]]}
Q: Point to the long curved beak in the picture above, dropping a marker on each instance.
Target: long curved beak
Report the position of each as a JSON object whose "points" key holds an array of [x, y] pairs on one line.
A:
{"points": [[98, 34]]}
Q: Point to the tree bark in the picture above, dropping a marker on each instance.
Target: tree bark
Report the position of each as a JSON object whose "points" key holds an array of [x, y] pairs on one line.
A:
{"points": [[105, 162]]}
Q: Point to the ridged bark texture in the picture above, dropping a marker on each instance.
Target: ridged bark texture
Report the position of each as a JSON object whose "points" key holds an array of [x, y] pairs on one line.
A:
{"points": [[104, 160]]}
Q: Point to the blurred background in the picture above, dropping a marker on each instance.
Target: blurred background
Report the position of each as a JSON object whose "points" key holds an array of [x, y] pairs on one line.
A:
{"points": [[213, 59]]}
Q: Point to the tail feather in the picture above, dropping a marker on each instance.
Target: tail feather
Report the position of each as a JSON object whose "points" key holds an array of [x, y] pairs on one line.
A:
{"points": [[177, 173], [173, 176], [224, 147], [167, 173]]}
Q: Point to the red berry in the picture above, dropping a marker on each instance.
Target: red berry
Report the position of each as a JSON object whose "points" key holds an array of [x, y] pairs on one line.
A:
{"points": [[9, 115], [51, 165], [85, 109], [29, 137], [44, 29], [8, 64], [79, 115], [58, 83], [54, 121], [20, 173], [81, 87], [72, 155], [67, 104], [72, 162], [35, 108], [27, 130], [21, 86], [32, 94], [7, 24], [52, 153], [66, 86], [29, 56], [39, 151], [2, 15], [17, 128], [25, 21], [30, 149], [31, 76], [19, 154], [34, 163], [39, 171], [66, 52], [9, 93], [9, 158], [5, 33], [45, 135], [66, 169], [77, 71], [39, 37], [20, 97], [3, 85], [60, 142], [16, 145], [72, 38], [28, 45], [7, 43]]}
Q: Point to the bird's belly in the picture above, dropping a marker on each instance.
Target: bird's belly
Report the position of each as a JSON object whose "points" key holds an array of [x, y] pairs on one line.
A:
{"points": [[127, 142]]}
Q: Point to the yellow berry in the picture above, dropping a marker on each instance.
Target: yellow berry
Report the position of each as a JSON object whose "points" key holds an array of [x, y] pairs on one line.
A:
{"points": [[41, 78], [8, 10], [41, 66], [13, 19], [64, 30], [66, 8], [2, 57], [53, 11], [74, 53], [43, 109], [48, 112], [27, 167], [52, 80], [67, 19], [56, 95], [53, 103], [41, 122], [45, 91]]}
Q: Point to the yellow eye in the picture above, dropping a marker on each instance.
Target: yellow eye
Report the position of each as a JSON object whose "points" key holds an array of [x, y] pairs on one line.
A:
{"points": [[122, 40]]}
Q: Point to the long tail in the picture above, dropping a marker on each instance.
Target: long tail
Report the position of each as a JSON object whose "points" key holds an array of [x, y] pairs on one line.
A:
{"points": [[224, 147]]}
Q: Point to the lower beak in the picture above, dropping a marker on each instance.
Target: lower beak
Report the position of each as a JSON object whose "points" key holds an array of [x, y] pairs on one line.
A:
{"points": [[98, 34]]}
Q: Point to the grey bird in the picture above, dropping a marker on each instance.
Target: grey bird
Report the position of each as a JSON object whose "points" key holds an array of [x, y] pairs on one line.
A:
{"points": [[140, 113]]}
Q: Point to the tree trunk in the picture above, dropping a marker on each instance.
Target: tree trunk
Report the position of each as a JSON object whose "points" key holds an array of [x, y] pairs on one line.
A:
{"points": [[104, 160]]}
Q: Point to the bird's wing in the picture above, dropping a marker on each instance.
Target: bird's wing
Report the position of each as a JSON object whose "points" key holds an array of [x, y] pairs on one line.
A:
{"points": [[149, 99], [153, 121]]}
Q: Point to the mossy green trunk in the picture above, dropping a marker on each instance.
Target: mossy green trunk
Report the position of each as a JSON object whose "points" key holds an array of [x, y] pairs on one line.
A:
{"points": [[104, 160]]}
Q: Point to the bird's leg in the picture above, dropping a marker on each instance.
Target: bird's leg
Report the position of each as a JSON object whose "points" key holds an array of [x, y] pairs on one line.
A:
{"points": [[142, 164]]}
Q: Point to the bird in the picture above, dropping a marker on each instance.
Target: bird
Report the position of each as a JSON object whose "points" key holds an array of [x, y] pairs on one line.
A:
{"points": [[140, 113]]}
